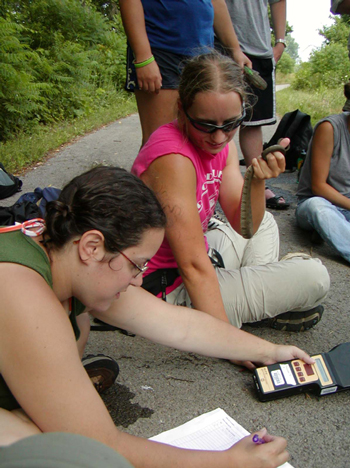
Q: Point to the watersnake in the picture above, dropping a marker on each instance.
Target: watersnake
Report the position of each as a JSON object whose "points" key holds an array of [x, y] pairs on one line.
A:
{"points": [[246, 209]]}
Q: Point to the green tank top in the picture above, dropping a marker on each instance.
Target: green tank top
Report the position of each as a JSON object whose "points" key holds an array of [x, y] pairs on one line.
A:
{"points": [[15, 247]]}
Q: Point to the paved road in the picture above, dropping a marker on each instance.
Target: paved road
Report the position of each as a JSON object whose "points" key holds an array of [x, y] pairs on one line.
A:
{"points": [[159, 388]]}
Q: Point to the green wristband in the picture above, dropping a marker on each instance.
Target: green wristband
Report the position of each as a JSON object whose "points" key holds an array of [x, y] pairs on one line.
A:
{"points": [[144, 63]]}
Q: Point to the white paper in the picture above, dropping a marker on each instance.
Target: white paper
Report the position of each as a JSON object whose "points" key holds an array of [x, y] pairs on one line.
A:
{"points": [[215, 430]]}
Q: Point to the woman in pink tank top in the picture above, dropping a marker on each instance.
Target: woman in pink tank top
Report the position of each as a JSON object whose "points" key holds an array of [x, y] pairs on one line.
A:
{"points": [[191, 164]]}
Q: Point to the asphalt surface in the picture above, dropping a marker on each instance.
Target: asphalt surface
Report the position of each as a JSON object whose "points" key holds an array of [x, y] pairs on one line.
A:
{"points": [[160, 388]]}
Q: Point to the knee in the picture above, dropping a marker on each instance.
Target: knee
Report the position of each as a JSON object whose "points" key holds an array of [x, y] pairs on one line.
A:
{"points": [[317, 207], [311, 212], [315, 277]]}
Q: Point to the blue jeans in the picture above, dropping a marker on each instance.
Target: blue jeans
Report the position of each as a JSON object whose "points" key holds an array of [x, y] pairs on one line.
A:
{"points": [[331, 222]]}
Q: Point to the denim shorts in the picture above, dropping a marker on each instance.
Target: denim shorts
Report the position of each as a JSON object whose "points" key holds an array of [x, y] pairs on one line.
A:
{"points": [[170, 66]]}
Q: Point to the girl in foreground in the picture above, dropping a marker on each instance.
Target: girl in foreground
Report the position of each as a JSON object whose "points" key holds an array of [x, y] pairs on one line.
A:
{"points": [[97, 240], [191, 164]]}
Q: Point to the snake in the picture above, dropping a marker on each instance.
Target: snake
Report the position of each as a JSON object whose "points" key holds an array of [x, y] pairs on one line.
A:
{"points": [[246, 208], [254, 78]]}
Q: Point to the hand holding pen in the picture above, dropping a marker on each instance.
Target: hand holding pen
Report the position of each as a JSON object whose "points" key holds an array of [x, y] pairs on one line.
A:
{"points": [[260, 450]]}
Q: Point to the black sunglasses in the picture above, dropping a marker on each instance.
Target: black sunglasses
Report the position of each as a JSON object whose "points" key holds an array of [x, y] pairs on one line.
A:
{"points": [[211, 128]]}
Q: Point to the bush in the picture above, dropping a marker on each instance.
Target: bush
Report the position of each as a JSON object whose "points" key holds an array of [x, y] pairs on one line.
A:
{"points": [[64, 61], [328, 67], [21, 95], [286, 64]]}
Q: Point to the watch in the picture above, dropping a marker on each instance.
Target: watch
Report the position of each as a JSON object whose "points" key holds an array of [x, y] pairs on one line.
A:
{"points": [[281, 41]]}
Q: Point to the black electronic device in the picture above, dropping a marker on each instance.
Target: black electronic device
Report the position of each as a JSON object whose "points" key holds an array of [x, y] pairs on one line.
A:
{"points": [[329, 374]]}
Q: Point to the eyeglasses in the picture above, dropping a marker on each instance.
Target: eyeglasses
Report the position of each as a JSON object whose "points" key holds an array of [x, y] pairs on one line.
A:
{"points": [[141, 269], [207, 127]]}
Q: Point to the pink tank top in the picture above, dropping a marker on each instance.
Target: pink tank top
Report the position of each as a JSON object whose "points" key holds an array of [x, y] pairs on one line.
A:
{"points": [[168, 139]]}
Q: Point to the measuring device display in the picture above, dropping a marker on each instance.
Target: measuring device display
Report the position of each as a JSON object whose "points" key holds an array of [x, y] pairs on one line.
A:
{"points": [[329, 374]]}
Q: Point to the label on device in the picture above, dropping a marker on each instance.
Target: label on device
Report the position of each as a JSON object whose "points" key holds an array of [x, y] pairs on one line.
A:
{"points": [[277, 377]]}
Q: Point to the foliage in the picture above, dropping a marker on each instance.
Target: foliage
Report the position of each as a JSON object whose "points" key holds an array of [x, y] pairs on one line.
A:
{"points": [[285, 64], [292, 48], [318, 103], [337, 32], [58, 58], [108, 8], [21, 96], [328, 66], [30, 148]]}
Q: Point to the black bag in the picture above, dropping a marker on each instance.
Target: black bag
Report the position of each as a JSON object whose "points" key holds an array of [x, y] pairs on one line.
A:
{"points": [[158, 281], [30, 205], [297, 127], [9, 184], [19, 212]]}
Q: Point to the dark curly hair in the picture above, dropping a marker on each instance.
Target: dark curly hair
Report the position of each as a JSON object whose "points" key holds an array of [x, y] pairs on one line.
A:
{"points": [[109, 199]]}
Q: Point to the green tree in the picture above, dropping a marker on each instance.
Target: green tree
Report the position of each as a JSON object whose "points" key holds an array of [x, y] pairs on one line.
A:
{"points": [[292, 48], [328, 66], [21, 95], [108, 8], [286, 64], [59, 59], [337, 32]]}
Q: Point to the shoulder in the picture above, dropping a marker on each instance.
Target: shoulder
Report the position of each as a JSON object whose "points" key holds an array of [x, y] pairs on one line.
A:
{"points": [[22, 289], [167, 139]]}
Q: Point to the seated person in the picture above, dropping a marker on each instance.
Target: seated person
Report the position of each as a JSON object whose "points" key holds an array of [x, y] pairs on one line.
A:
{"points": [[191, 164], [95, 242], [324, 185]]}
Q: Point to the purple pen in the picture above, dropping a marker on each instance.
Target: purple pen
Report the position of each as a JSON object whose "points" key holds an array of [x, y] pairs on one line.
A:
{"points": [[257, 440]]}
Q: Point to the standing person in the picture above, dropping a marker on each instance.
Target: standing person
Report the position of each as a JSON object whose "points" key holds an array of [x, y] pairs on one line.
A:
{"points": [[251, 23], [191, 164], [89, 255], [324, 185], [161, 35]]}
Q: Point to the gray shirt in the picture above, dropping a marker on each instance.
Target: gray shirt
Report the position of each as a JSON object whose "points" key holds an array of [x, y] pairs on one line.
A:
{"points": [[339, 171], [251, 22]]}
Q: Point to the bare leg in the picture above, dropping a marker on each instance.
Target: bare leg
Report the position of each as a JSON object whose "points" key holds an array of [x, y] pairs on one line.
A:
{"points": [[251, 142], [83, 321], [156, 110], [15, 425]]}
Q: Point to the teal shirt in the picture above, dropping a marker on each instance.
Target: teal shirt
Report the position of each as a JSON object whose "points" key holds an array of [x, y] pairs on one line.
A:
{"points": [[15, 247]]}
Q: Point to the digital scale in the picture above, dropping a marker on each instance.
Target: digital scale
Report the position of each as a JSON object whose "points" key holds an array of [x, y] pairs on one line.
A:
{"points": [[329, 374]]}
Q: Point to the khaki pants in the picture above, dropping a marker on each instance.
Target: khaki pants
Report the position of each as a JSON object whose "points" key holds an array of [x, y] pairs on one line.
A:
{"points": [[254, 284]]}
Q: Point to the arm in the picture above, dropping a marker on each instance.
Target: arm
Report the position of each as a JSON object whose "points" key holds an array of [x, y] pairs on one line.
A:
{"points": [[232, 184], [39, 360], [173, 179], [278, 14], [322, 150], [225, 32], [148, 77], [192, 330]]}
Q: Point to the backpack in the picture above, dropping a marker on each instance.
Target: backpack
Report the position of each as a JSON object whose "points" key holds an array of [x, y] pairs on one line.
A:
{"points": [[18, 213], [30, 205], [9, 184], [297, 127]]}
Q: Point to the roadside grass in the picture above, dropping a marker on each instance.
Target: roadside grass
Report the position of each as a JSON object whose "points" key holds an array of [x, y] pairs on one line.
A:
{"points": [[28, 149], [317, 103], [281, 78]]}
